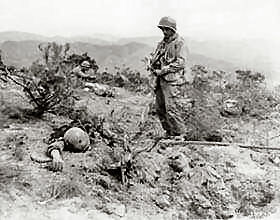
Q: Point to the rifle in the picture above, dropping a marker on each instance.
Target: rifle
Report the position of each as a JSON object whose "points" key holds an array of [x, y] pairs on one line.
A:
{"points": [[153, 63]]}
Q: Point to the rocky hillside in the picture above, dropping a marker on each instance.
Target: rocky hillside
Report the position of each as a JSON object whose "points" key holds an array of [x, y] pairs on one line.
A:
{"points": [[227, 166]]}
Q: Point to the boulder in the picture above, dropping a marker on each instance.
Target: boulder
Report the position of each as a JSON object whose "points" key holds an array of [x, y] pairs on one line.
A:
{"points": [[179, 162], [116, 209], [231, 107], [162, 202]]}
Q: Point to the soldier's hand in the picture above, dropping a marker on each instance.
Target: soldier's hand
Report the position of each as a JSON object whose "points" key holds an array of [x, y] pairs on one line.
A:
{"points": [[157, 72], [164, 70], [57, 161]]}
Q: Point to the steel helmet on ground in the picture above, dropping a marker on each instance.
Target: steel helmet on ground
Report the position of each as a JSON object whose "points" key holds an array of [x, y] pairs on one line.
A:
{"points": [[167, 22], [85, 64], [76, 139]]}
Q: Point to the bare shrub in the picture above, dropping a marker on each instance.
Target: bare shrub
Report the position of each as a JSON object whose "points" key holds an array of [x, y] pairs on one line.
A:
{"points": [[48, 83]]}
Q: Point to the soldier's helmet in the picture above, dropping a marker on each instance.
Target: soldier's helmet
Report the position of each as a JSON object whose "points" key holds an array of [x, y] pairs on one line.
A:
{"points": [[167, 22], [85, 64], [76, 139]]}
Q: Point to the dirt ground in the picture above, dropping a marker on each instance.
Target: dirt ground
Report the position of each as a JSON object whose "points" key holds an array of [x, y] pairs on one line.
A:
{"points": [[173, 182]]}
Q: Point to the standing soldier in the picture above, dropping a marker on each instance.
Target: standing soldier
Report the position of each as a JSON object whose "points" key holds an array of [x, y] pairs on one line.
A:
{"points": [[167, 63]]}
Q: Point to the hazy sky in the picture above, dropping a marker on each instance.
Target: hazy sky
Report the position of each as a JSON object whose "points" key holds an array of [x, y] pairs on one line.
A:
{"points": [[207, 18]]}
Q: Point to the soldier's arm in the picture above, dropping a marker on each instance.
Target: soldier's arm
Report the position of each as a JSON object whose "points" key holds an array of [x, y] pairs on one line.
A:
{"points": [[55, 152], [57, 145], [155, 57]]}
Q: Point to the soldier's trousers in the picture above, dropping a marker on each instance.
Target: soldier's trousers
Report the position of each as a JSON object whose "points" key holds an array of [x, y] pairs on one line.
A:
{"points": [[167, 95]]}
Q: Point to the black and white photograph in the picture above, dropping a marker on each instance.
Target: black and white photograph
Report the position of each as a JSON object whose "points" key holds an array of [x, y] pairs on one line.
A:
{"points": [[139, 109]]}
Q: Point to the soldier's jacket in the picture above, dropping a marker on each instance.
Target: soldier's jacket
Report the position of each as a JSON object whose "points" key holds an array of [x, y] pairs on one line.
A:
{"points": [[57, 145], [172, 59], [104, 131]]}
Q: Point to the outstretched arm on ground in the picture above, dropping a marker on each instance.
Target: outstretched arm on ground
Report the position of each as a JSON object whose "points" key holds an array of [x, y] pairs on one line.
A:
{"points": [[55, 152], [57, 161]]}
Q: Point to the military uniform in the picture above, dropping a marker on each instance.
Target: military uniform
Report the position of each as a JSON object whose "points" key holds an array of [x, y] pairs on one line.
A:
{"points": [[78, 71], [74, 139], [170, 60], [81, 73]]}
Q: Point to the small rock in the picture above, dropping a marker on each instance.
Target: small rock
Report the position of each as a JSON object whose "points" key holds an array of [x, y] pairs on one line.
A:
{"points": [[258, 158], [274, 159], [230, 164], [178, 162], [84, 205], [162, 202], [231, 107], [115, 208], [227, 214], [104, 181], [6, 126]]}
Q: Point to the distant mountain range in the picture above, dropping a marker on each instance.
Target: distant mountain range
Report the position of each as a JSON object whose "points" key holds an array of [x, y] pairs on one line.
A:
{"points": [[21, 49], [23, 53], [24, 36]]}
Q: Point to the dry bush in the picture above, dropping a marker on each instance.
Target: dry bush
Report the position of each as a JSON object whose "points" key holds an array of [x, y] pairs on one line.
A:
{"points": [[209, 90], [45, 84], [74, 60], [48, 83], [250, 91]]}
